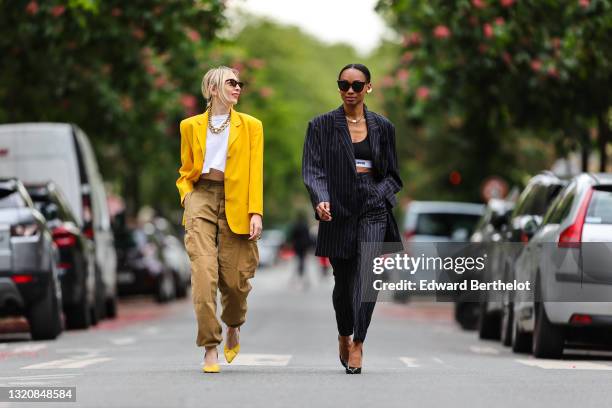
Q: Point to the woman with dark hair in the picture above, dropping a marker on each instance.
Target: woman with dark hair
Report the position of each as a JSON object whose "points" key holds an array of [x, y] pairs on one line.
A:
{"points": [[350, 170]]}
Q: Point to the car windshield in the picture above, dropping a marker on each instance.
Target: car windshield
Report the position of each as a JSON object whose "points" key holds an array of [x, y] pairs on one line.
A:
{"points": [[11, 199], [445, 224]]}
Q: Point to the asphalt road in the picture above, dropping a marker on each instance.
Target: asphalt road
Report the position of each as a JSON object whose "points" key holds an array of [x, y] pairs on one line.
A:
{"points": [[414, 356]]}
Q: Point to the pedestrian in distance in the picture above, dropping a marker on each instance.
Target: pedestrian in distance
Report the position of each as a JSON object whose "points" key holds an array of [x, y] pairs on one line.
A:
{"points": [[350, 170], [221, 190], [301, 242]]}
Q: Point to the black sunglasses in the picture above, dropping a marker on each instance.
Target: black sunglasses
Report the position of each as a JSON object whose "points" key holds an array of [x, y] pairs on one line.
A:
{"points": [[233, 83], [357, 86]]}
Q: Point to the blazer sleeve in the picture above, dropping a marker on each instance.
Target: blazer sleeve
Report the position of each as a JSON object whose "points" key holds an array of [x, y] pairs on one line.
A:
{"points": [[313, 173], [183, 184], [391, 183], [256, 169]]}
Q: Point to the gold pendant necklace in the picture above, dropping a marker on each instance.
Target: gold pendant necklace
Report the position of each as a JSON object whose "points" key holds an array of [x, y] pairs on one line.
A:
{"points": [[353, 121]]}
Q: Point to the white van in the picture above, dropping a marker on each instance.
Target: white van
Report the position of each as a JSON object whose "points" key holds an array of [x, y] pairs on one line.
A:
{"points": [[61, 152]]}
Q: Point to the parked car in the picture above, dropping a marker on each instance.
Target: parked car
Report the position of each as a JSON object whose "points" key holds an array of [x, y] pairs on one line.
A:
{"points": [[29, 276], [428, 225], [439, 221], [174, 255], [61, 152], [488, 239], [531, 205], [76, 252], [142, 269], [568, 263]]}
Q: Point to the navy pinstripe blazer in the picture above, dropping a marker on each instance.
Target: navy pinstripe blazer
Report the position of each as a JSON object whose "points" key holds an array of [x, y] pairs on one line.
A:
{"points": [[328, 170]]}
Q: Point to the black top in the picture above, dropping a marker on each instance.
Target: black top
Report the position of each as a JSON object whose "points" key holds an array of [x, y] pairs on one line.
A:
{"points": [[362, 149]]}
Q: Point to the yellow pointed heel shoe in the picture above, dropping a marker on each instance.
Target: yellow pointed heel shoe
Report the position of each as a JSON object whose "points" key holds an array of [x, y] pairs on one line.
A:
{"points": [[213, 368], [231, 353]]}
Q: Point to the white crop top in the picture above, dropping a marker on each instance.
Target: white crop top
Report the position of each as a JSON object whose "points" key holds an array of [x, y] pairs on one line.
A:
{"points": [[216, 146]]}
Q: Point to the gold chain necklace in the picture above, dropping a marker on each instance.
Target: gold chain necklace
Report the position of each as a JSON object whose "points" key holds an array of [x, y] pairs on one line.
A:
{"points": [[353, 121], [217, 130]]}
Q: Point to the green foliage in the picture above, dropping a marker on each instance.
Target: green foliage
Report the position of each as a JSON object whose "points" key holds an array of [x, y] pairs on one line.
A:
{"points": [[117, 69], [473, 72]]}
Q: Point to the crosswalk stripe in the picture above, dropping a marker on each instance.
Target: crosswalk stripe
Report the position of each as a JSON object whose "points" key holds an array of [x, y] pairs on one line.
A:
{"points": [[88, 362], [484, 350], [409, 362], [271, 360], [39, 377], [30, 348], [564, 364], [35, 379], [66, 363], [123, 341]]}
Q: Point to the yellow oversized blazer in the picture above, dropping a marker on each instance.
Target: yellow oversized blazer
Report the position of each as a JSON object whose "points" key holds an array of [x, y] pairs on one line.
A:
{"points": [[243, 168]]}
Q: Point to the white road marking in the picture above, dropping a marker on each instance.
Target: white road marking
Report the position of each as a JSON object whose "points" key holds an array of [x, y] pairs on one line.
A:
{"points": [[88, 362], [38, 376], [271, 360], [123, 341], [151, 330], [409, 362], [438, 360], [48, 379], [66, 363], [565, 364], [484, 350], [30, 348]]}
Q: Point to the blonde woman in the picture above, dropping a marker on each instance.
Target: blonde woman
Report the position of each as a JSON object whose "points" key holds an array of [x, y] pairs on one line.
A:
{"points": [[221, 189]]}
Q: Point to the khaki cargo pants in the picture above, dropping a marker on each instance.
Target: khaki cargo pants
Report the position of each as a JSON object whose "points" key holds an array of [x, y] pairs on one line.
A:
{"points": [[219, 259]]}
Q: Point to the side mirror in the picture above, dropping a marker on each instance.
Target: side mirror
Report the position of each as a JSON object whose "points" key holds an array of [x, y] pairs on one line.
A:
{"points": [[497, 220], [531, 227], [50, 211]]}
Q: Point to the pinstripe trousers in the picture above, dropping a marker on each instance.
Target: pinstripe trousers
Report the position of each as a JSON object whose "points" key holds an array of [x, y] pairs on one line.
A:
{"points": [[353, 296]]}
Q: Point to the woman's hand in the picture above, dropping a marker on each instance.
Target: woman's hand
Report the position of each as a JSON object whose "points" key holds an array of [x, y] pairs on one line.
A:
{"points": [[255, 227], [324, 211]]}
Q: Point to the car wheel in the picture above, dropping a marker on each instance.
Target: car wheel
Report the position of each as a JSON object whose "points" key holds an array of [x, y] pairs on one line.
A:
{"points": [[78, 316], [506, 324], [488, 323], [93, 313], [548, 338], [45, 317], [111, 307], [181, 286], [521, 341], [466, 314]]}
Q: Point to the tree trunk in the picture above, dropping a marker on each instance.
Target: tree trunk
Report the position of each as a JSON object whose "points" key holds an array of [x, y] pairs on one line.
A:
{"points": [[586, 150], [603, 137]]}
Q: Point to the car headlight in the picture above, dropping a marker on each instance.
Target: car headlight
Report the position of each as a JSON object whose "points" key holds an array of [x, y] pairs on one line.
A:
{"points": [[24, 230]]}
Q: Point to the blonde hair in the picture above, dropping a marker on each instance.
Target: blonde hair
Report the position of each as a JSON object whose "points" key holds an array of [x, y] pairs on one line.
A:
{"points": [[215, 79]]}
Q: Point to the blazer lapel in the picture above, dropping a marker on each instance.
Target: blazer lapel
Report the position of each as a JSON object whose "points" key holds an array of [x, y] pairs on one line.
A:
{"points": [[234, 128], [343, 134], [374, 136], [201, 131], [235, 124]]}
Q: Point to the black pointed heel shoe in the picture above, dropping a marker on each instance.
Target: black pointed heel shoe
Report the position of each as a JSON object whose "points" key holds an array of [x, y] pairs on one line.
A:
{"points": [[344, 347], [352, 351]]}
